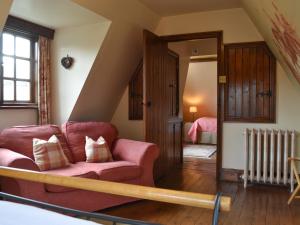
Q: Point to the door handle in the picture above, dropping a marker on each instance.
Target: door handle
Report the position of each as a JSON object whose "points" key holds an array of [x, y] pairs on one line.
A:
{"points": [[147, 104], [262, 94]]}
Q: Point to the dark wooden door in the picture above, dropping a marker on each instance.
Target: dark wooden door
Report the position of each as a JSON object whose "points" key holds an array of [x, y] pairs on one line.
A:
{"points": [[160, 98], [250, 89], [136, 94]]}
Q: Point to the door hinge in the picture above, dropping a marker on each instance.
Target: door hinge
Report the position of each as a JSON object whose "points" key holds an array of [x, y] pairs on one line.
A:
{"points": [[222, 79]]}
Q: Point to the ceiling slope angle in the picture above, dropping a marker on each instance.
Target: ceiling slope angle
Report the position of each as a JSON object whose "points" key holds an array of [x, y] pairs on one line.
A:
{"points": [[115, 63], [79, 32], [55, 13], [177, 7], [279, 23]]}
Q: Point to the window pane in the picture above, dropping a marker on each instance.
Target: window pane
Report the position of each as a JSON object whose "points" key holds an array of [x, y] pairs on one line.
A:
{"points": [[22, 69], [23, 91], [8, 66], [22, 47], [8, 90], [8, 44]]}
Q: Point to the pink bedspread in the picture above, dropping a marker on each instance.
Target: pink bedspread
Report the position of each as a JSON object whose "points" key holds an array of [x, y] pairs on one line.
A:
{"points": [[205, 124]]}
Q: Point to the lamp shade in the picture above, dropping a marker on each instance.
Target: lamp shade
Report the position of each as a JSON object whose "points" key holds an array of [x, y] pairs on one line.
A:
{"points": [[193, 109]]}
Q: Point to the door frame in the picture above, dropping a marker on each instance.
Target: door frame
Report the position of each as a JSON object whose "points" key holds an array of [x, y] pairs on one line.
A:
{"points": [[220, 87]]}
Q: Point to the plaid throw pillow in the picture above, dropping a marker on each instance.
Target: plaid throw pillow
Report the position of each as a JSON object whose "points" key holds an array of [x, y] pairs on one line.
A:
{"points": [[97, 151], [49, 154]]}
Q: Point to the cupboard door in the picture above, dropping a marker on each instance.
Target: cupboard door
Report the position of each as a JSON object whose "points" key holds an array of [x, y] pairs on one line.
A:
{"points": [[250, 90], [136, 94], [172, 73], [160, 94]]}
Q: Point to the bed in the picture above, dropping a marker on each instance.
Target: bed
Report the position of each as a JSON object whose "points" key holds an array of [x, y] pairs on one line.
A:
{"points": [[202, 131], [18, 214], [16, 210]]}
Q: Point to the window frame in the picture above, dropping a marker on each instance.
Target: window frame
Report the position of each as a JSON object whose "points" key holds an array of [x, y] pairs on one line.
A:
{"points": [[32, 103]]}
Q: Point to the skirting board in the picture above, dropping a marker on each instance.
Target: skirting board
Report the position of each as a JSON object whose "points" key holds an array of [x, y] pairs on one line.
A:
{"points": [[231, 175]]}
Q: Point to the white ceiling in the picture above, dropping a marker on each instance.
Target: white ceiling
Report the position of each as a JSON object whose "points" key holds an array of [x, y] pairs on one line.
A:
{"points": [[175, 7], [54, 13]]}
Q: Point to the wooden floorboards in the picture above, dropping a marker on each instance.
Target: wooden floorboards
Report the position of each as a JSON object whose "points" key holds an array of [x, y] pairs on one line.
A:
{"points": [[258, 205], [207, 166]]}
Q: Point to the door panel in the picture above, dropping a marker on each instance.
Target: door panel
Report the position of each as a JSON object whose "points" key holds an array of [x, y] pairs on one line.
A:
{"points": [[160, 99]]}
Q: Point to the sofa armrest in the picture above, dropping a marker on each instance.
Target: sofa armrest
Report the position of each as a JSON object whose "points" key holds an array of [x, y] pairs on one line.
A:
{"points": [[10, 158], [19, 187], [135, 151], [142, 153]]}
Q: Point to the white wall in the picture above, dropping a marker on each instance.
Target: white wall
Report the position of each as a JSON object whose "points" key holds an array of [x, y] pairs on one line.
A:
{"points": [[133, 129], [237, 27], [287, 118], [183, 70], [16, 117], [235, 23], [83, 44], [200, 90], [117, 60]]}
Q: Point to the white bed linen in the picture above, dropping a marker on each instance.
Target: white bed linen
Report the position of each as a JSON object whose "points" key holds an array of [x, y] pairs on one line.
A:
{"points": [[19, 214]]}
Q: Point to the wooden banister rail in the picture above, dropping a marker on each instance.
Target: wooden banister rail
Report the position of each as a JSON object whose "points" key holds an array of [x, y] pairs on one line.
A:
{"points": [[136, 191]]}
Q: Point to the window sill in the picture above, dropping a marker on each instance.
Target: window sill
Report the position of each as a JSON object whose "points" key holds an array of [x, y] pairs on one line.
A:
{"points": [[24, 106]]}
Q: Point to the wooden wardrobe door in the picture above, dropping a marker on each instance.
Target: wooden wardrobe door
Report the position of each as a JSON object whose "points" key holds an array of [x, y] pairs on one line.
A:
{"points": [[250, 90], [155, 99], [173, 82], [159, 75], [135, 93]]}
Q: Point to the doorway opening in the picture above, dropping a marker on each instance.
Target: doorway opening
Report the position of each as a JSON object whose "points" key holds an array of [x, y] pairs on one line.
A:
{"points": [[163, 96], [198, 69], [206, 50]]}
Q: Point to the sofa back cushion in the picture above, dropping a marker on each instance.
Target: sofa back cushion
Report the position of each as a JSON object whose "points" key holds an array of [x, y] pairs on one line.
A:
{"points": [[20, 139], [75, 133]]}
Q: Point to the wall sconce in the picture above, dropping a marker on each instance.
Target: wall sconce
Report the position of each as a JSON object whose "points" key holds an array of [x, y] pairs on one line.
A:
{"points": [[193, 110]]}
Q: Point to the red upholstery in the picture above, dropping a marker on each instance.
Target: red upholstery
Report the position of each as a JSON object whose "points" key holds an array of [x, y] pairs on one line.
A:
{"points": [[133, 164], [114, 171], [20, 138], [75, 133], [59, 189]]}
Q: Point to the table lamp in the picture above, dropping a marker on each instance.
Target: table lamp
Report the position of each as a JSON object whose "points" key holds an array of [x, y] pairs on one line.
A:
{"points": [[193, 110]]}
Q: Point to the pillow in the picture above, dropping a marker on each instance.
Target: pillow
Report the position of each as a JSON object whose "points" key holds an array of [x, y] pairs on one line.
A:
{"points": [[97, 151], [49, 154]]}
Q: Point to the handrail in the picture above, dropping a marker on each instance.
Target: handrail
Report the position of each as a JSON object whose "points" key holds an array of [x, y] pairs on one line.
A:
{"points": [[136, 191]]}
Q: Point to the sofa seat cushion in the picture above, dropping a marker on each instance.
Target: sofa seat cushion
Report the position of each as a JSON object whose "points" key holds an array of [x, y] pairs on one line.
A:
{"points": [[19, 139], [74, 170], [114, 171], [75, 133]]}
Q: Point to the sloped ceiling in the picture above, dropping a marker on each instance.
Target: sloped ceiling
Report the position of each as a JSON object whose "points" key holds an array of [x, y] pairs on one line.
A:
{"points": [[55, 14], [176, 7], [278, 22], [117, 59], [4, 10]]}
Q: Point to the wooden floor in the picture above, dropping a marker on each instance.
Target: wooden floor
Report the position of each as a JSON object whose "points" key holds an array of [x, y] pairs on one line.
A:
{"points": [[258, 205], [207, 166]]}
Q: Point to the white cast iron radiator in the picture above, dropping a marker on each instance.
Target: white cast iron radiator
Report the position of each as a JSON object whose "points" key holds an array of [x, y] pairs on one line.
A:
{"points": [[266, 156]]}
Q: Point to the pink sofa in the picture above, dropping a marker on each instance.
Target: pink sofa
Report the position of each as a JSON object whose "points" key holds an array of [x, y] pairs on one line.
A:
{"points": [[133, 163]]}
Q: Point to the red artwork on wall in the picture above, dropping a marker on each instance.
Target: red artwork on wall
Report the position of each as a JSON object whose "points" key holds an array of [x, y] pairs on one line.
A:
{"points": [[287, 41]]}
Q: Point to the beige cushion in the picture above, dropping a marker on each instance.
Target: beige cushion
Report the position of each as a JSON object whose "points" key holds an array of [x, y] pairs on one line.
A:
{"points": [[97, 151], [49, 154]]}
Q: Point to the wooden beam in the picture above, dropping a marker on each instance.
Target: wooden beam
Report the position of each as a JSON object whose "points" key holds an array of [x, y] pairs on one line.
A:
{"points": [[136, 191], [204, 59], [32, 28]]}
